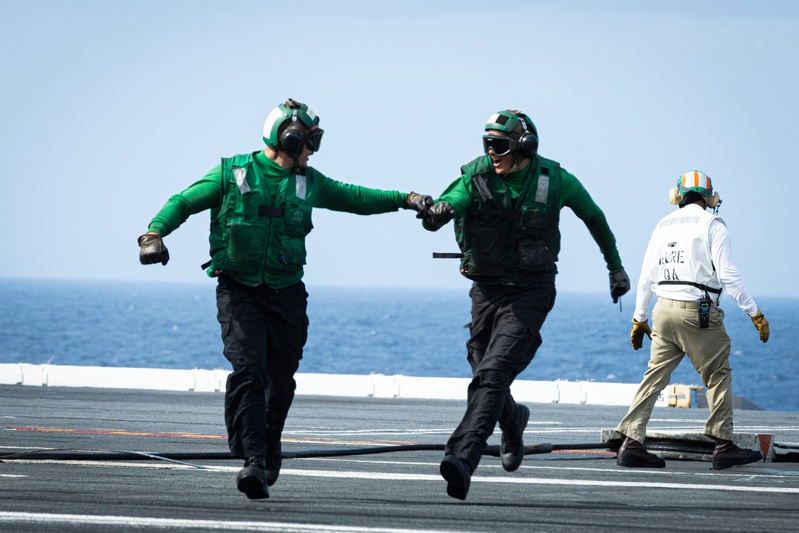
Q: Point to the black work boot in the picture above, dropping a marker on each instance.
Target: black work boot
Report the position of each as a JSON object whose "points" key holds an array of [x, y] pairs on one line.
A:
{"points": [[273, 460], [251, 480], [511, 451], [632, 453], [458, 476], [726, 455]]}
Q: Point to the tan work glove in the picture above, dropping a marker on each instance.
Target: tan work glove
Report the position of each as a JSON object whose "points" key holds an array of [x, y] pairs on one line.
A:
{"points": [[637, 333], [761, 324]]}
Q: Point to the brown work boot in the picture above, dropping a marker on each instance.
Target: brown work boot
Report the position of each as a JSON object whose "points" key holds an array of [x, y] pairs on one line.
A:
{"points": [[632, 453], [726, 455]]}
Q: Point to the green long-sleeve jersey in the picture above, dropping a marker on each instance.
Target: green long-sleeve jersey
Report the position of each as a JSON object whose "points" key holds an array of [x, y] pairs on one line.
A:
{"points": [[256, 199]]}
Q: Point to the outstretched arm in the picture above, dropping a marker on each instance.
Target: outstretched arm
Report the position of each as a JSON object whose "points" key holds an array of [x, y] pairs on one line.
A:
{"points": [[578, 200], [453, 202], [200, 196]]}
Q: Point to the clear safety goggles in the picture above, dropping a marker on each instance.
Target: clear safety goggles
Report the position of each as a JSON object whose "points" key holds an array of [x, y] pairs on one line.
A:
{"points": [[499, 144], [314, 139]]}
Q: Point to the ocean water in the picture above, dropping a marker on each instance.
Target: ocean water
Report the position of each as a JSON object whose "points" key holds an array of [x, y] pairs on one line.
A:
{"points": [[360, 330]]}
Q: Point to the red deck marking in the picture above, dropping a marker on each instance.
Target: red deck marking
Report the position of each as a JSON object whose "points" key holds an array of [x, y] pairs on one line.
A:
{"points": [[170, 435], [39, 429]]}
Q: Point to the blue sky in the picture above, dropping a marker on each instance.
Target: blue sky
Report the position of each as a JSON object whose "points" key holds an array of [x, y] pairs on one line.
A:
{"points": [[108, 108]]}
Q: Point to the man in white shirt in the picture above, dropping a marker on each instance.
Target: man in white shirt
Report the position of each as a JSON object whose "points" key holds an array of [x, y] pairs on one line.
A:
{"points": [[688, 263]]}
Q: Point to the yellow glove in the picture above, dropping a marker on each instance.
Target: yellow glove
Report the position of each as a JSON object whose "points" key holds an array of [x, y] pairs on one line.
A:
{"points": [[637, 333], [761, 324]]}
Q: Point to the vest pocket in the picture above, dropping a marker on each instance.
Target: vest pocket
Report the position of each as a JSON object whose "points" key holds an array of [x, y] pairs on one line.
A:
{"points": [[292, 253], [297, 220], [534, 220], [533, 255], [245, 248], [487, 256]]}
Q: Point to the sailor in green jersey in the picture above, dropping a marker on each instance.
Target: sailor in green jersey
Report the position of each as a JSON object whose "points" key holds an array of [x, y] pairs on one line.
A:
{"points": [[260, 205], [506, 207]]}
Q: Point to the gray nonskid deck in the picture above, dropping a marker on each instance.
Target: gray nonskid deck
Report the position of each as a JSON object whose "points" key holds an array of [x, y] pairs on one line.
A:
{"points": [[398, 491]]}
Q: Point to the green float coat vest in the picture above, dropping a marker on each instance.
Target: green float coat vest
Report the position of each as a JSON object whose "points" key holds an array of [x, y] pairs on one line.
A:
{"points": [[507, 241], [252, 233]]}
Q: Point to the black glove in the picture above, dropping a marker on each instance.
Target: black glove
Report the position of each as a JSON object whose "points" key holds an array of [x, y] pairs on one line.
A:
{"points": [[440, 213], [152, 249], [417, 202], [619, 284]]}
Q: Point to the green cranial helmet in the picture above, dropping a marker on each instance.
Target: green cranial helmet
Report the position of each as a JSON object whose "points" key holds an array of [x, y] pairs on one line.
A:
{"points": [[515, 126], [292, 111], [510, 121], [504, 121]]}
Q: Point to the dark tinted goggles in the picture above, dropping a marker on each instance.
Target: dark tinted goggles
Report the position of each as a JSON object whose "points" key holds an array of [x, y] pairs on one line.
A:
{"points": [[500, 145], [314, 139]]}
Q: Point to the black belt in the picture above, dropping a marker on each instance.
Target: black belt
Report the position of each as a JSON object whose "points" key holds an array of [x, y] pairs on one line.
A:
{"points": [[691, 283]]}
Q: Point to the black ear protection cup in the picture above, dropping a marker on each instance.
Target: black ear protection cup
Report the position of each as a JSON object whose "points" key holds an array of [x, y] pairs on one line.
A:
{"points": [[528, 143], [293, 140]]}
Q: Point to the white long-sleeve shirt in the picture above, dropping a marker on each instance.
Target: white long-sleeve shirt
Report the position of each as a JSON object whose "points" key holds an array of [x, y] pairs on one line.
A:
{"points": [[725, 268]]}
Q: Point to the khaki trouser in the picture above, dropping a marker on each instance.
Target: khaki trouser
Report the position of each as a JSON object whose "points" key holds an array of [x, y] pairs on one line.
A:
{"points": [[676, 333]]}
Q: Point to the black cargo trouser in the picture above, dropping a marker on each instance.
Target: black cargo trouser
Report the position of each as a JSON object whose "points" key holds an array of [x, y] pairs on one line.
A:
{"points": [[504, 337], [263, 331]]}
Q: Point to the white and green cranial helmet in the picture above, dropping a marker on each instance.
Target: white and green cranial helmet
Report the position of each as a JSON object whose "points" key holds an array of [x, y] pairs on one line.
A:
{"points": [[288, 128], [504, 121], [518, 134]]}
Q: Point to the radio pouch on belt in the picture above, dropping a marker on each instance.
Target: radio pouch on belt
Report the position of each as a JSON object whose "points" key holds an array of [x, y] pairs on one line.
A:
{"points": [[704, 311]]}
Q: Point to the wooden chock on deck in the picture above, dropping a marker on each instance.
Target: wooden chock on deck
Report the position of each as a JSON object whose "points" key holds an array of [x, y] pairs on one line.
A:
{"points": [[681, 395]]}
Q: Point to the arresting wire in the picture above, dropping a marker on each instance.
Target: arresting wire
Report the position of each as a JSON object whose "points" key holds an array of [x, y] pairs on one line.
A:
{"points": [[74, 454]]}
